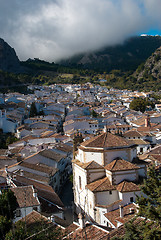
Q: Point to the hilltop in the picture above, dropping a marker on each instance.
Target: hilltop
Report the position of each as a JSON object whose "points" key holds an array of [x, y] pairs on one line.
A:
{"points": [[135, 65], [9, 61], [125, 57]]}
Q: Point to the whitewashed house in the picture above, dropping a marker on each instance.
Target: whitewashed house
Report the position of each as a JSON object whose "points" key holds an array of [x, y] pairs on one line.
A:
{"points": [[104, 174], [27, 201], [7, 124]]}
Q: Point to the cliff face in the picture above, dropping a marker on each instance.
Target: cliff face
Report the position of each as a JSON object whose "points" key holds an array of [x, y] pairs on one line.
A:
{"points": [[152, 67], [9, 61]]}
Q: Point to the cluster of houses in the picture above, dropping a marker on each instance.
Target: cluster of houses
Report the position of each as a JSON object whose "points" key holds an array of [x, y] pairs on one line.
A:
{"points": [[90, 132]]}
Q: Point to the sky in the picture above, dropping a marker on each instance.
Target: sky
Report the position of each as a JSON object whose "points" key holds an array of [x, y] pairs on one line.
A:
{"points": [[56, 29]]}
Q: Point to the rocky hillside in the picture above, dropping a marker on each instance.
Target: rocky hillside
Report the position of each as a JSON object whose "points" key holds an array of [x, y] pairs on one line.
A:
{"points": [[9, 61], [127, 56], [151, 68]]}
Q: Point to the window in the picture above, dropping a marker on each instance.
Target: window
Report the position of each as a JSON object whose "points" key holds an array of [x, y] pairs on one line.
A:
{"points": [[110, 192], [80, 182], [18, 213], [131, 199]]}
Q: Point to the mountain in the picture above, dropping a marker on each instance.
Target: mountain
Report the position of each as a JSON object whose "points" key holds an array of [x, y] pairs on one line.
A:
{"points": [[9, 61], [127, 56], [152, 67]]}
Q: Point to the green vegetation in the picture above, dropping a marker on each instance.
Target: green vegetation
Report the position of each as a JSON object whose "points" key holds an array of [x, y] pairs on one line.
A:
{"points": [[140, 104], [6, 139], [33, 110], [10, 231], [124, 57], [39, 230], [122, 67], [149, 209], [8, 204], [94, 114]]}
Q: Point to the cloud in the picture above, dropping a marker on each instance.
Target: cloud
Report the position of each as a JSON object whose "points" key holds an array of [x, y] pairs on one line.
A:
{"points": [[55, 29]]}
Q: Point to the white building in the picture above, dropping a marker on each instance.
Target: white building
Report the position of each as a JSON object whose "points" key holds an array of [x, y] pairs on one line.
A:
{"points": [[104, 175], [27, 201], [7, 124]]}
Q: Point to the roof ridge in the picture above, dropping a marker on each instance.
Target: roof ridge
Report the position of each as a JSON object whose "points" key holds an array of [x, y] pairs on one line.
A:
{"points": [[103, 180], [123, 185], [105, 138], [115, 160]]}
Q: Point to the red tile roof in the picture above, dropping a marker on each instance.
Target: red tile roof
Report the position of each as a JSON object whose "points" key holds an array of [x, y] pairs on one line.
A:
{"points": [[91, 232], [126, 186], [89, 165], [25, 196], [106, 140], [132, 133], [114, 215], [101, 185], [120, 165], [43, 190]]}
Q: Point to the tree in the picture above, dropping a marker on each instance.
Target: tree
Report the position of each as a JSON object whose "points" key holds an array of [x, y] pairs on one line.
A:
{"points": [[8, 204], [138, 104], [150, 203], [33, 110], [5, 225], [149, 208], [94, 114]]}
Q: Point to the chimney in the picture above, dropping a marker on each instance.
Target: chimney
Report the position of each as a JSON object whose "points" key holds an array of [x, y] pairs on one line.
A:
{"points": [[121, 211], [105, 128], [52, 218], [34, 192], [81, 220], [21, 172], [6, 168], [147, 121]]}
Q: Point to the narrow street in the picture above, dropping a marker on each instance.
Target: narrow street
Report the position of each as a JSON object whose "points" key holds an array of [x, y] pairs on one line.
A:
{"points": [[66, 196]]}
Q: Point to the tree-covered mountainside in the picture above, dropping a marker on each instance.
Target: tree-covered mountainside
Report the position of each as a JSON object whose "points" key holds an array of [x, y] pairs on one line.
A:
{"points": [[135, 65], [124, 57], [146, 77]]}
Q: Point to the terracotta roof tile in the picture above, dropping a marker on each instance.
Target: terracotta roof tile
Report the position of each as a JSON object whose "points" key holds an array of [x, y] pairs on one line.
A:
{"points": [[114, 215], [156, 150], [89, 232], [71, 228], [132, 133], [43, 190], [25, 196], [39, 167], [139, 141], [126, 186], [120, 165], [48, 153], [106, 140], [33, 217], [89, 165], [120, 231], [101, 185]]}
